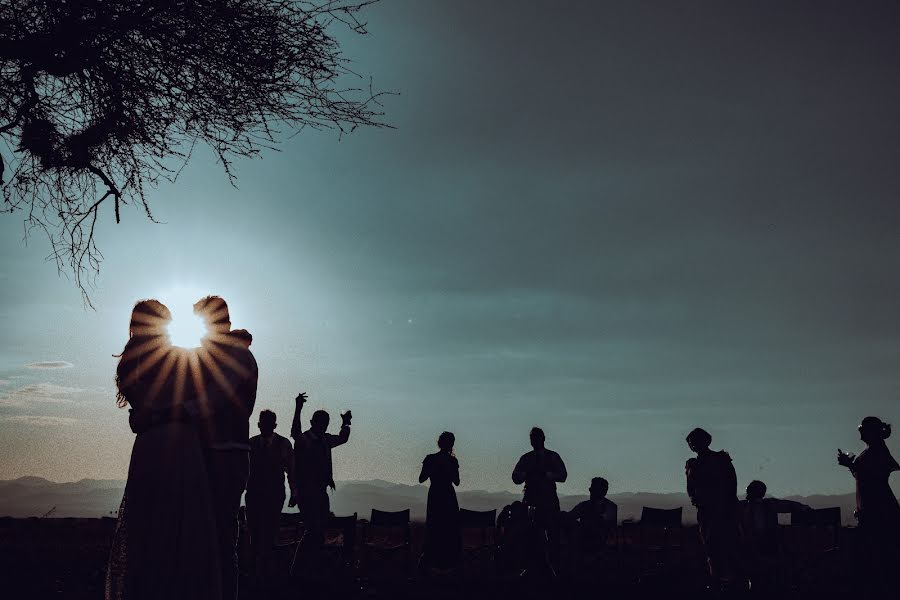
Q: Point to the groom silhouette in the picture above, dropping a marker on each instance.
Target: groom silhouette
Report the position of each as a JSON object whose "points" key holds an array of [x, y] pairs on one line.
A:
{"points": [[227, 389]]}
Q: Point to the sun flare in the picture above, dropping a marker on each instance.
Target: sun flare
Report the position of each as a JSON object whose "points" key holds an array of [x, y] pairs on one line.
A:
{"points": [[186, 330]]}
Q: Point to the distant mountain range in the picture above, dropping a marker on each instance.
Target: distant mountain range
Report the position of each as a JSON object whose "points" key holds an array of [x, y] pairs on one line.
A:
{"points": [[34, 497]]}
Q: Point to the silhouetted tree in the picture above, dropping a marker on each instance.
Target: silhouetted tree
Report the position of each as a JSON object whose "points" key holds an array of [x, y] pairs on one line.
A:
{"points": [[101, 98]]}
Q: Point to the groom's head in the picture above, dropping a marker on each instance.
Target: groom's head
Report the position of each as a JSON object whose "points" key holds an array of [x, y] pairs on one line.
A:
{"points": [[319, 421], [214, 312]]}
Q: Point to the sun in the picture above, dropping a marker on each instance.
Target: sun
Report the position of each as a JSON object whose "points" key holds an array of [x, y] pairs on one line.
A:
{"points": [[186, 330]]}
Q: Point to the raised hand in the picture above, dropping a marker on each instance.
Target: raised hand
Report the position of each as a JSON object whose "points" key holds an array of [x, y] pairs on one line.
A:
{"points": [[844, 459], [301, 398], [345, 418]]}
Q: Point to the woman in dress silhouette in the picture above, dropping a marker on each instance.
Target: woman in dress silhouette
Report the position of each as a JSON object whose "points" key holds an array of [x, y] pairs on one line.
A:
{"points": [[877, 509], [165, 544], [443, 541]]}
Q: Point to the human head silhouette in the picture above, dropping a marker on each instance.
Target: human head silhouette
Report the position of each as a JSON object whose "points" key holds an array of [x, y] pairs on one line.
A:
{"points": [[599, 488], [699, 440], [874, 430], [537, 438], [243, 336], [756, 490], [319, 422], [149, 318], [445, 441], [214, 312], [267, 422]]}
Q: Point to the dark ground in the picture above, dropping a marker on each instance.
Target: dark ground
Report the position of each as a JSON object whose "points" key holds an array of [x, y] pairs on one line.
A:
{"points": [[66, 558]]}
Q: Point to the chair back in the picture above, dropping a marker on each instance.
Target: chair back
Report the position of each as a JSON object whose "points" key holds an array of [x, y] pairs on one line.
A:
{"points": [[382, 518], [656, 520], [482, 520], [821, 527], [477, 519]]}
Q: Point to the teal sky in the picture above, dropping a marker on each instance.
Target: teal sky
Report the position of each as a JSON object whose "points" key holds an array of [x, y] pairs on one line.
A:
{"points": [[617, 221]]}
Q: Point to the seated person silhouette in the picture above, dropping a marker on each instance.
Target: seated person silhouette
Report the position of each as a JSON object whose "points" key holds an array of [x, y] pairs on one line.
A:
{"points": [[592, 521], [514, 537], [758, 519]]}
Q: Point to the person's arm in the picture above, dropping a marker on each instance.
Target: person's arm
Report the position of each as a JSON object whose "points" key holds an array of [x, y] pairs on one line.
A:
{"points": [[788, 506], [519, 473], [455, 472], [559, 473], [344, 434], [578, 511], [689, 479], [288, 466], [426, 470], [297, 424]]}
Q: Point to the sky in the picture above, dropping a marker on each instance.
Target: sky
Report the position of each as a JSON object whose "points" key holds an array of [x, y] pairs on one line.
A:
{"points": [[614, 220]]}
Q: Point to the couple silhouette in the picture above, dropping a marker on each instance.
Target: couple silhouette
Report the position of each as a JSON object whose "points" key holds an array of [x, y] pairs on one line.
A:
{"points": [[177, 527]]}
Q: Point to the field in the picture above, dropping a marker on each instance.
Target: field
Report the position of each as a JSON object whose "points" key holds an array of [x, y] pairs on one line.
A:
{"points": [[66, 558]]}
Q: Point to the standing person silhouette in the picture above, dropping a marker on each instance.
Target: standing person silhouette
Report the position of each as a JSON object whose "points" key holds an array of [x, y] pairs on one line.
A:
{"points": [[225, 374], [314, 474], [165, 545], [271, 458], [712, 487], [876, 506], [443, 541], [540, 470]]}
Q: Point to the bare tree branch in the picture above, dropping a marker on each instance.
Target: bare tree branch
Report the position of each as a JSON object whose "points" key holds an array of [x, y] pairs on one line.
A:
{"points": [[100, 98]]}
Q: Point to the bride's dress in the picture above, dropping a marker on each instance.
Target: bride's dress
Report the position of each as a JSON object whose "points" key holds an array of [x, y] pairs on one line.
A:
{"points": [[165, 541]]}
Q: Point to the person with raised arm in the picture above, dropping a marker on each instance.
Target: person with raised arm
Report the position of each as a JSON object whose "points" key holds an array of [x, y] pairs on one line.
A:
{"points": [[314, 474], [877, 509]]}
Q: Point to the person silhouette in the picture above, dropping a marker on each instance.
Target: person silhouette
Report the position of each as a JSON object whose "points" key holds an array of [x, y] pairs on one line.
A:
{"points": [[443, 538], [540, 470], [759, 531], [225, 374], [712, 487], [271, 458], [314, 474], [877, 509], [758, 519], [165, 543], [594, 518]]}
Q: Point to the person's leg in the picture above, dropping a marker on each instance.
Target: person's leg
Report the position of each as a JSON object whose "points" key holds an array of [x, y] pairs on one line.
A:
{"points": [[228, 471], [314, 511]]}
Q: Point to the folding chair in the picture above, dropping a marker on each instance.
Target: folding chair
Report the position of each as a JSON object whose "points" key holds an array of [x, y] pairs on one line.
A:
{"points": [[660, 536], [340, 538], [484, 522], [813, 541], [377, 538]]}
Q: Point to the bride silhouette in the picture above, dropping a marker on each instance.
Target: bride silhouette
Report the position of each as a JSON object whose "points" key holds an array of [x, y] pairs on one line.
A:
{"points": [[165, 544]]}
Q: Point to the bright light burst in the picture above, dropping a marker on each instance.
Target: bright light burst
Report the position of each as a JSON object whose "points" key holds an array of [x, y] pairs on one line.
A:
{"points": [[186, 329]]}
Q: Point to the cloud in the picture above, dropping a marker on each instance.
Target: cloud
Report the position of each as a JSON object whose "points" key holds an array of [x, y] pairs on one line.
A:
{"points": [[50, 364], [38, 393], [39, 420]]}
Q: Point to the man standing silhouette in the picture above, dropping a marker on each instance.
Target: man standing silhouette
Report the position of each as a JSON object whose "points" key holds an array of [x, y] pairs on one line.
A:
{"points": [[712, 487], [314, 474], [540, 470], [225, 375], [271, 457]]}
